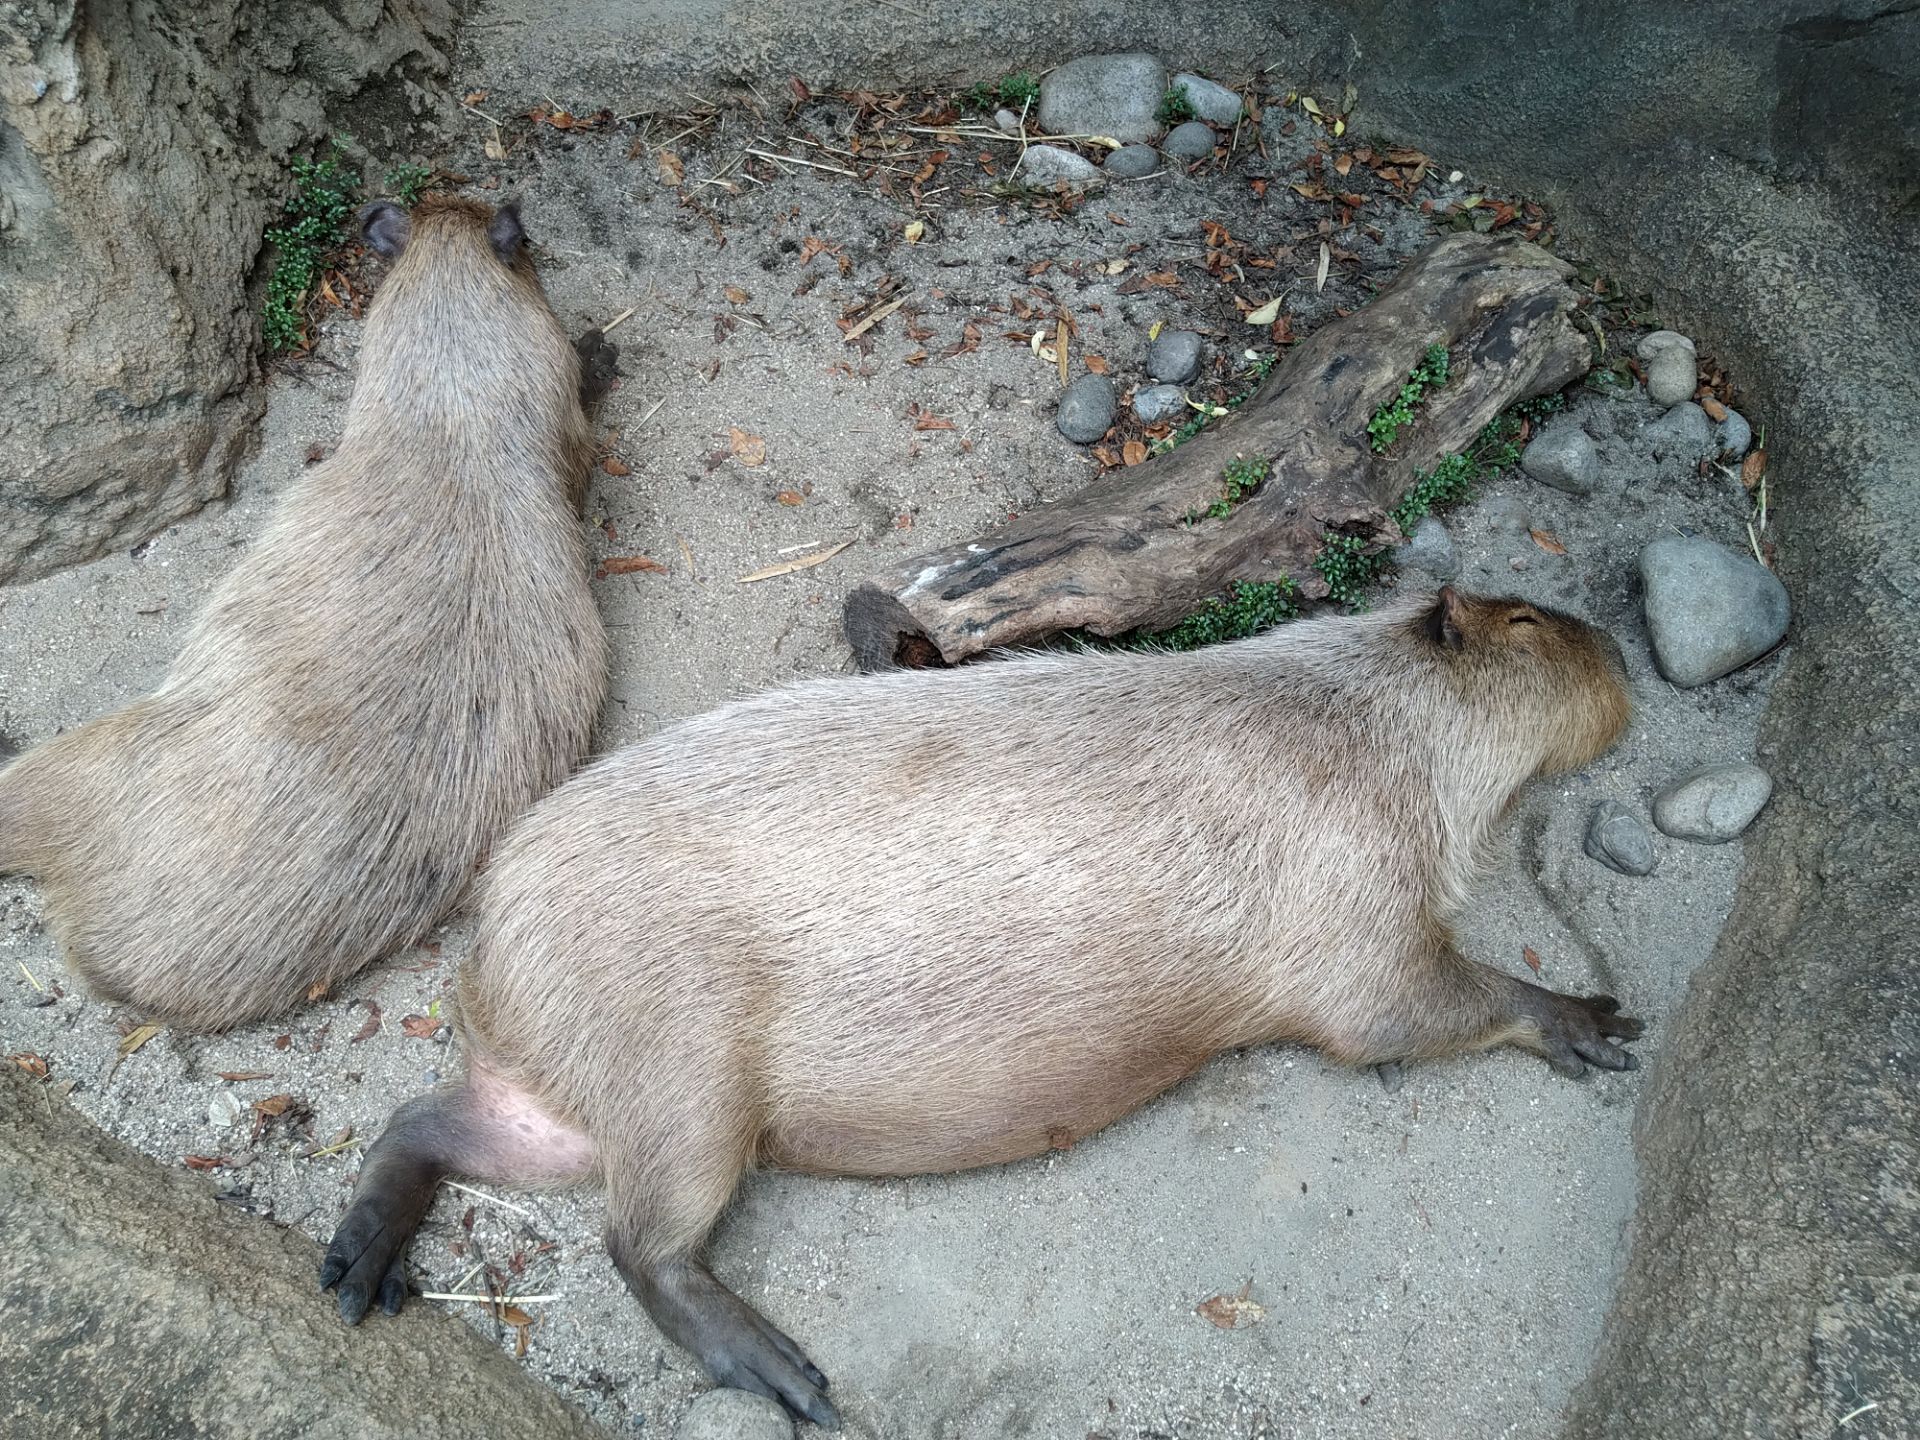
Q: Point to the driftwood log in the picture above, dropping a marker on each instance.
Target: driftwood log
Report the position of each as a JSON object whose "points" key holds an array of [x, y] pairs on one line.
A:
{"points": [[1125, 553]]}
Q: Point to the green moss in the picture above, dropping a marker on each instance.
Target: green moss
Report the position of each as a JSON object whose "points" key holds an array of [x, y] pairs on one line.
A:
{"points": [[312, 227], [1175, 107], [1238, 480], [1348, 567], [1015, 91], [1390, 419], [1250, 607]]}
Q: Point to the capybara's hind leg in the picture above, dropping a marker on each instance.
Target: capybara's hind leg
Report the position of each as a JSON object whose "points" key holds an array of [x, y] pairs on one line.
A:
{"points": [[485, 1129], [658, 1218], [1442, 1003]]}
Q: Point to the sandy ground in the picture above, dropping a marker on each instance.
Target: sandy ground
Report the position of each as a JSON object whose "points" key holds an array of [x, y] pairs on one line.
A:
{"points": [[1435, 1261]]}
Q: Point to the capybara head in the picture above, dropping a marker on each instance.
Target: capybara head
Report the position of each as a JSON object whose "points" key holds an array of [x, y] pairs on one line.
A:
{"points": [[445, 220], [1542, 672]]}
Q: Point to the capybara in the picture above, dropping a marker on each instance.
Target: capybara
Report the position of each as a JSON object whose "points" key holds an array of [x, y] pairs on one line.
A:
{"points": [[923, 921], [408, 657]]}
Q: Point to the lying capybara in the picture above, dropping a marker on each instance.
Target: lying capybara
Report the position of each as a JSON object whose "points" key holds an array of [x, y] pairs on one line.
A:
{"points": [[408, 657], [924, 921]]}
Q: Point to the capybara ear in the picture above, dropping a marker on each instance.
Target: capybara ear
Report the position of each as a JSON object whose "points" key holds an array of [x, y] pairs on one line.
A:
{"points": [[385, 227], [506, 232], [1443, 621]]}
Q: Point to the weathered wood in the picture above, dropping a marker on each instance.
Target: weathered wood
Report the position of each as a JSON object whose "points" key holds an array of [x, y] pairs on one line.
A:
{"points": [[1124, 553]]}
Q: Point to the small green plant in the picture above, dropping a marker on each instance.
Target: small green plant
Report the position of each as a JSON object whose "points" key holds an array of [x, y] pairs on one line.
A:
{"points": [[407, 183], [1015, 91], [1250, 607], [1239, 479], [1348, 567], [312, 227], [1175, 108], [1496, 448], [1390, 419]]}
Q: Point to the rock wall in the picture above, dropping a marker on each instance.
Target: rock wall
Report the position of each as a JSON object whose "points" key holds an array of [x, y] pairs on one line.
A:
{"points": [[133, 1303], [143, 149]]}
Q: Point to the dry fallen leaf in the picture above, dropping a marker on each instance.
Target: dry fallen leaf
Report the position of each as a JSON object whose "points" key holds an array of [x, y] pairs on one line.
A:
{"points": [[372, 1026], [137, 1037], [1326, 262], [736, 296], [34, 1065], [614, 465], [1752, 468], [1094, 363], [273, 1105], [790, 497], [1133, 452], [495, 150], [914, 231], [627, 564], [787, 567], [1229, 1312], [420, 1027], [1342, 164], [671, 167], [1715, 410], [316, 991], [202, 1162], [1547, 542], [1267, 313], [749, 450], [1532, 957]]}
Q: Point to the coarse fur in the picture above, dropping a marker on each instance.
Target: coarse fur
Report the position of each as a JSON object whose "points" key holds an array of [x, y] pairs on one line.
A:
{"points": [[925, 921], [408, 657]]}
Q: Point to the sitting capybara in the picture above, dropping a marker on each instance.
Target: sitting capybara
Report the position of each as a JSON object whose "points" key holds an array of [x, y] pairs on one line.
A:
{"points": [[408, 657], [924, 921]]}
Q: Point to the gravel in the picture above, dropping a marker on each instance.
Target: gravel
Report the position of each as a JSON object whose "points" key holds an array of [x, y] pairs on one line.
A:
{"points": [[1713, 804]]}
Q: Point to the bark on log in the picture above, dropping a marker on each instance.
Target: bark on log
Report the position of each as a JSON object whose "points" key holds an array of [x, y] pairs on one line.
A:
{"points": [[1124, 553]]}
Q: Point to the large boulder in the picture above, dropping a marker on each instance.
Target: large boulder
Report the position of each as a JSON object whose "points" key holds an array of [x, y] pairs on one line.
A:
{"points": [[143, 150], [132, 1303]]}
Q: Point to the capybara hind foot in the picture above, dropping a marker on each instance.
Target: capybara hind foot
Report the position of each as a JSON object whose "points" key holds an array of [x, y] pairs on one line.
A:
{"points": [[733, 1342], [1575, 1030], [485, 1128]]}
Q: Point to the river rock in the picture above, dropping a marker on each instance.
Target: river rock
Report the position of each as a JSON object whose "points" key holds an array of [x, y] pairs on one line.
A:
{"points": [[1684, 430], [1113, 95], [1672, 375], [1429, 549], [1086, 409], [1210, 102], [1660, 340], [1048, 165], [1174, 356], [1735, 436], [1007, 120], [1563, 456], [1713, 804], [1154, 403], [726, 1414], [1191, 141], [1709, 611], [1617, 839], [1131, 162]]}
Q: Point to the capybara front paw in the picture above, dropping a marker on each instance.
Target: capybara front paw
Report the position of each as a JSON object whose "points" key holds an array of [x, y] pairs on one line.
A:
{"points": [[1578, 1031]]}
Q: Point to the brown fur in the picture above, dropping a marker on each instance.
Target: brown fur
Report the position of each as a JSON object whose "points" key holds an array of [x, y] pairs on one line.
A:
{"points": [[408, 657]]}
